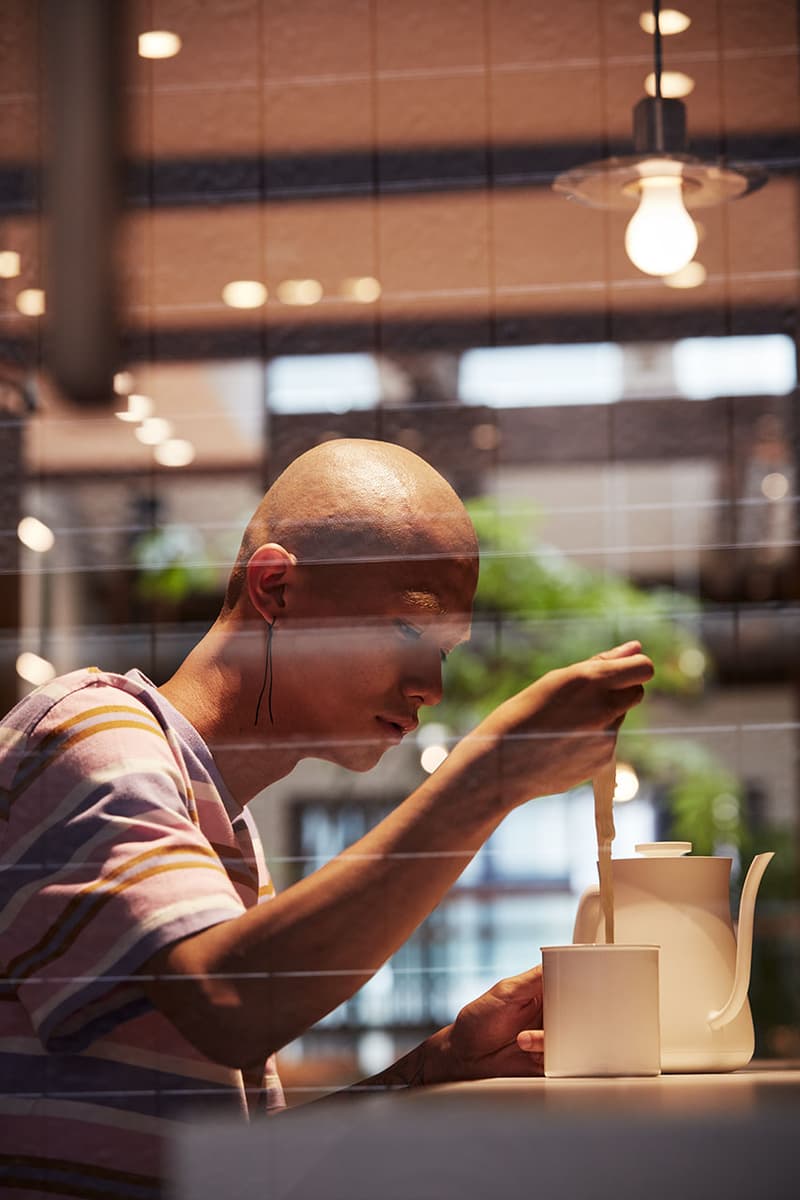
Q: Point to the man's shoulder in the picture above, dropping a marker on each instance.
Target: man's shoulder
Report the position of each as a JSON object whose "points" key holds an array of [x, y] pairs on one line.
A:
{"points": [[64, 702], [79, 690]]}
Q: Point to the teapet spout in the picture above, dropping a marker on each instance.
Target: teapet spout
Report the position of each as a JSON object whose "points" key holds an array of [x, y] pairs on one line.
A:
{"points": [[744, 944]]}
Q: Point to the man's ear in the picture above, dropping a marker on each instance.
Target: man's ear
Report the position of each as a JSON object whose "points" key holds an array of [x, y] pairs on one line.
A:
{"points": [[269, 570]]}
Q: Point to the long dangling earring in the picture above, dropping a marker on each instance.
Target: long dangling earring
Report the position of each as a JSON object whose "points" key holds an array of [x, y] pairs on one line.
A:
{"points": [[267, 676]]}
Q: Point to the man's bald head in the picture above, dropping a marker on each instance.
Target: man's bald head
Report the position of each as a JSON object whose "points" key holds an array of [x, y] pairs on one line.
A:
{"points": [[354, 500]]}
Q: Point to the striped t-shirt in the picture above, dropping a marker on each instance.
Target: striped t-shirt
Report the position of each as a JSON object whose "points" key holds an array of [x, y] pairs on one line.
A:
{"points": [[117, 837]]}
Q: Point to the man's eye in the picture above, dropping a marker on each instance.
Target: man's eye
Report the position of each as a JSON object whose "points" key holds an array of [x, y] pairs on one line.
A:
{"points": [[408, 631]]}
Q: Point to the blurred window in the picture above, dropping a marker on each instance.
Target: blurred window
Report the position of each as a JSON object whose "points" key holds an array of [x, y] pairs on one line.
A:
{"points": [[735, 366], [604, 372], [517, 376], [306, 383], [517, 894]]}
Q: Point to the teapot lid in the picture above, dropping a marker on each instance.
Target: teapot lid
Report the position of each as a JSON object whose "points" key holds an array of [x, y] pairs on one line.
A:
{"points": [[663, 849]]}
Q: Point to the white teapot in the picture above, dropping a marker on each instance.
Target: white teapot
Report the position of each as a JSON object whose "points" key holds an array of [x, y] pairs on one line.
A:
{"points": [[683, 905]]}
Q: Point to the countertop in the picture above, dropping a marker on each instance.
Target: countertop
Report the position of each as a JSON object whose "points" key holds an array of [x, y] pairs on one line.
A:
{"points": [[700, 1137], [769, 1083]]}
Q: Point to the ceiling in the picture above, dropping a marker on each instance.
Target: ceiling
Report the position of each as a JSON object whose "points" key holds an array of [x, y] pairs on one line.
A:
{"points": [[414, 143]]}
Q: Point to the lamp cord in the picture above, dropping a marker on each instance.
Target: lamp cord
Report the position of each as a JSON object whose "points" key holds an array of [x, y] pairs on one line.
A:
{"points": [[657, 46]]}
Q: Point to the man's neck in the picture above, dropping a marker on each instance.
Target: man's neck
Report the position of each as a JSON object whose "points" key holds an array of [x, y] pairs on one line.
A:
{"points": [[214, 690]]}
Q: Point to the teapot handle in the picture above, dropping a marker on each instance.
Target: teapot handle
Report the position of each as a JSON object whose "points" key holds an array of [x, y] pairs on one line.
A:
{"points": [[587, 917], [744, 944]]}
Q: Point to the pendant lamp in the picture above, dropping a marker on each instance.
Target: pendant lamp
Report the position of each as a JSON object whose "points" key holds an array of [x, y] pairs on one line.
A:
{"points": [[660, 180]]}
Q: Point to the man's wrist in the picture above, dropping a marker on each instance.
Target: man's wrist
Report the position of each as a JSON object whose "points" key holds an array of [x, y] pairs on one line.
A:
{"points": [[437, 1057], [428, 1063], [471, 774]]}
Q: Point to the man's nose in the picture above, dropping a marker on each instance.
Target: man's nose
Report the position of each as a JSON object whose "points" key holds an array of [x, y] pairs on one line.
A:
{"points": [[423, 680]]}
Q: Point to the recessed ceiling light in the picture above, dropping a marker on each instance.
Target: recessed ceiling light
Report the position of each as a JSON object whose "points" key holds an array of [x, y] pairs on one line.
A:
{"points": [[432, 757], [690, 276], [123, 383], [30, 302], [159, 43], [10, 264], [34, 668], [674, 84], [139, 409], [692, 662], [34, 534], [485, 437], [626, 783], [175, 452], [300, 291], [775, 486], [153, 430], [244, 293], [670, 21], [363, 288]]}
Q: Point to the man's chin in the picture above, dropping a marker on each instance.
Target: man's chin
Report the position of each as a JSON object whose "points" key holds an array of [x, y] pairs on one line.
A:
{"points": [[363, 758], [357, 756]]}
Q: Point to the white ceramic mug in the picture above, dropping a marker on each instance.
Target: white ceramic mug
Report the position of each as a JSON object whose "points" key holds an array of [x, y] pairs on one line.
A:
{"points": [[600, 1010]]}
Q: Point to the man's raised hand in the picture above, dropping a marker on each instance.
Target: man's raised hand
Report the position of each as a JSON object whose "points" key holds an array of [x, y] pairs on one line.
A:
{"points": [[560, 730]]}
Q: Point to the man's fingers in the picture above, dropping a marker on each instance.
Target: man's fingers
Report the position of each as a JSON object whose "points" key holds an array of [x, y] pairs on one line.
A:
{"points": [[531, 1041], [632, 669], [510, 1062], [623, 651], [525, 986]]}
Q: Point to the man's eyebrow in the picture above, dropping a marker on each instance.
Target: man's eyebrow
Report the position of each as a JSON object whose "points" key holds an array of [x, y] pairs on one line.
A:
{"points": [[427, 600]]}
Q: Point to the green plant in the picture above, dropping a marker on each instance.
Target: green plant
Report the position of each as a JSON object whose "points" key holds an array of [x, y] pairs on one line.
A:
{"points": [[536, 610], [173, 564]]}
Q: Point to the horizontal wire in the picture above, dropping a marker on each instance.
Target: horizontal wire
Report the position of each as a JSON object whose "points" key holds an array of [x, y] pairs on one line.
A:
{"points": [[594, 551], [504, 509], [467, 71]]}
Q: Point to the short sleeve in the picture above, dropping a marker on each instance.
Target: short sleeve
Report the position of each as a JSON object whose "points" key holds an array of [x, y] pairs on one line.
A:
{"points": [[104, 863]]}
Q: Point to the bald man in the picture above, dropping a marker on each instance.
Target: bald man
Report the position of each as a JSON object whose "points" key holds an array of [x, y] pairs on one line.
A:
{"points": [[145, 975]]}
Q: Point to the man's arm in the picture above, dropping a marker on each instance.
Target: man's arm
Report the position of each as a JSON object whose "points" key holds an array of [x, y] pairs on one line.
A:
{"points": [[498, 1035], [245, 987]]}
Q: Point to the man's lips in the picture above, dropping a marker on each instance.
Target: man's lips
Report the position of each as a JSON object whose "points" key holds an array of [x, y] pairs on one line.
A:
{"points": [[398, 727]]}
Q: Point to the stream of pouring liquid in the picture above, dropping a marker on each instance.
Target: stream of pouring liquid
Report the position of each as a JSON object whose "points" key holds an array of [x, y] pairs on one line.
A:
{"points": [[604, 785]]}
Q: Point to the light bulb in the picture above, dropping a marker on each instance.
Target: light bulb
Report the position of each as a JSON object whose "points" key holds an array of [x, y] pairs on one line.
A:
{"points": [[626, 785], [35, 669], [153, 431], [661, 236], [159, 43], [37, 536]]}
